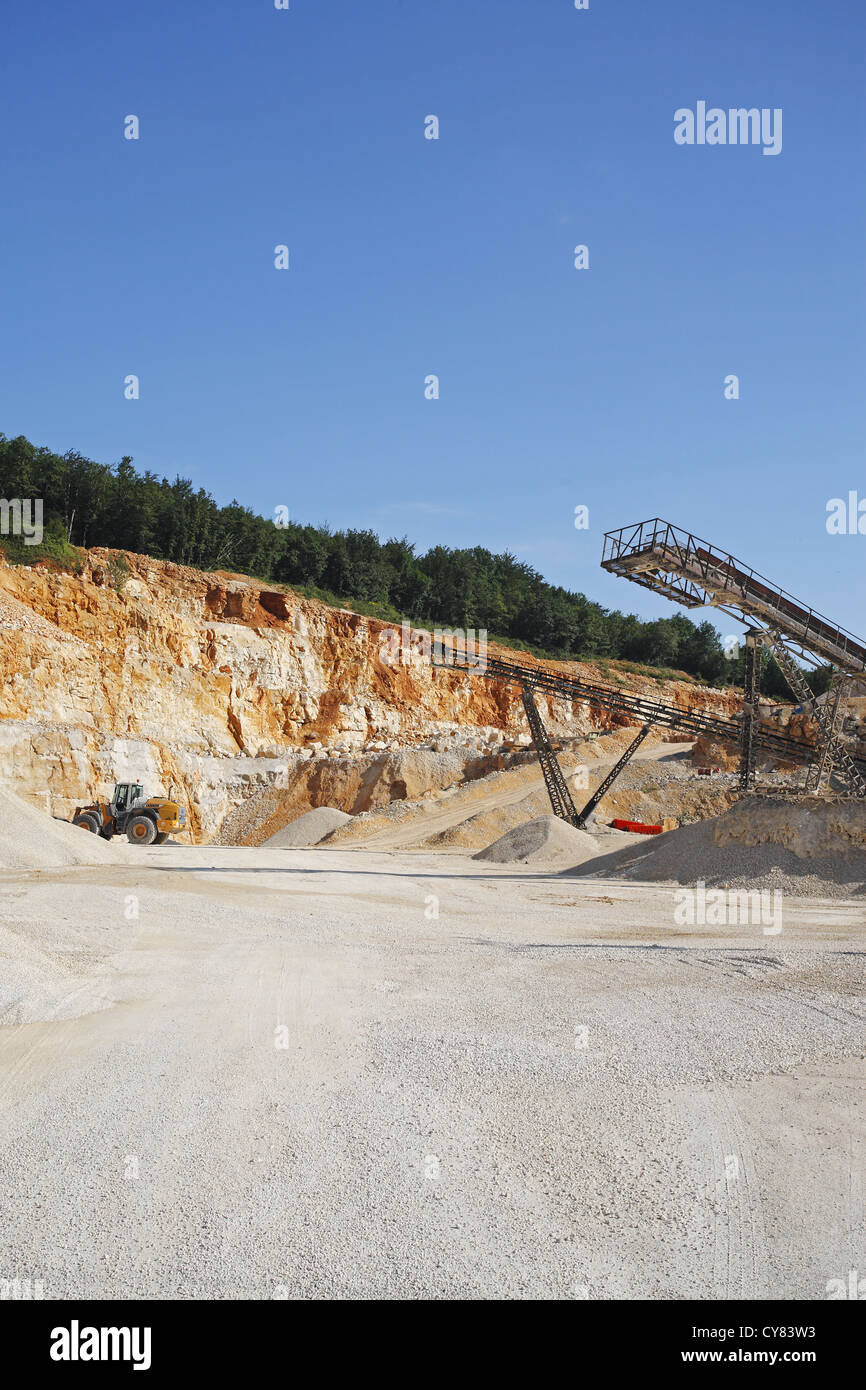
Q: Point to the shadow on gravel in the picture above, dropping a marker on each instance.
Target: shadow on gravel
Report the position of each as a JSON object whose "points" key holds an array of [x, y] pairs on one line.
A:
{"points": [[536, 877]]}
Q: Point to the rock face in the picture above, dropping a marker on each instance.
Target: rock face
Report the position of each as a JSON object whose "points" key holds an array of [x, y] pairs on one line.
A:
{"points": [[213, 688]]}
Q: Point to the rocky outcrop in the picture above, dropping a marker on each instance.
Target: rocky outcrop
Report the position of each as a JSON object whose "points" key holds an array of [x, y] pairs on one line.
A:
{"points": [[214, 688], [811, 828]]}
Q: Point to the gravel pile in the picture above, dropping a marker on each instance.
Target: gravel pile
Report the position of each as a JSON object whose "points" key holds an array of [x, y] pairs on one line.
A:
{"points": [[308, 829], [31, 839], [691, 854], [545, 840]]}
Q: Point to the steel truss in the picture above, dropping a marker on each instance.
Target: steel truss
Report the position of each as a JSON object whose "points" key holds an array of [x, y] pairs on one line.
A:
{"points": [[833, 756], [647, 712]]}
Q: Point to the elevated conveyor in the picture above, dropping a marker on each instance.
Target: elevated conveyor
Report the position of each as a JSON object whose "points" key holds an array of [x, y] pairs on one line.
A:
{"points": [[673, 562], [637, 707], [647, 712]]}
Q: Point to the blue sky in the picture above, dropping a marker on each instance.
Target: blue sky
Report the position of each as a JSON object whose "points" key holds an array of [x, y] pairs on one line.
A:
{"points": [[411, 257]]}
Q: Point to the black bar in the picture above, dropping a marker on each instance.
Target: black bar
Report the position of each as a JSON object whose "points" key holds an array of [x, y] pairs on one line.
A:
{"points": [[227, 1338]]}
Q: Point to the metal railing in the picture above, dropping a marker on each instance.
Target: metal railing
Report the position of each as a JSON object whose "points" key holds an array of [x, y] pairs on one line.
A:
{"points": [[693, 572]]}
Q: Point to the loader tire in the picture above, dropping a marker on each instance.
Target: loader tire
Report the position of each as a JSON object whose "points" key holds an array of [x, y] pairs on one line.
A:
{"points": [[87, 823], [140, 830], [161, 838]]}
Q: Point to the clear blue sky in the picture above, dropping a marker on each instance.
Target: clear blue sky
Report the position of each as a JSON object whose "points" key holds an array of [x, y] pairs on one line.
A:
{"points": [[409, 257]]}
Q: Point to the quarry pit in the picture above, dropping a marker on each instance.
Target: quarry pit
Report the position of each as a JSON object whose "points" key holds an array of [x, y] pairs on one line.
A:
{"points": [[381, 1026]]}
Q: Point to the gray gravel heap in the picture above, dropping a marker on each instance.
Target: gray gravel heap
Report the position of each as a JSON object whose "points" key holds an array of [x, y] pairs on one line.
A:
{"points": [[545, 840], [308, 829]]}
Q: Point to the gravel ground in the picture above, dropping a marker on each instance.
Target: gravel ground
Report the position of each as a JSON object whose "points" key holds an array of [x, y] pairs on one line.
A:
{"points": [[330, 1073]]}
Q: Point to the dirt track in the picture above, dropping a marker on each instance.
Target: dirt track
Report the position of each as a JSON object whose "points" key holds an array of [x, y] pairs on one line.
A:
{"points": [[549, 1090]]}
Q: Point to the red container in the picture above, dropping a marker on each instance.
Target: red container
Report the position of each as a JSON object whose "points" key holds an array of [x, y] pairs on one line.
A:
{"points": [[638, 827]]}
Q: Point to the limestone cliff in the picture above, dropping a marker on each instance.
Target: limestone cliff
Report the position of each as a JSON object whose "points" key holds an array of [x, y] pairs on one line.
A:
{"points": [[214, 687]]}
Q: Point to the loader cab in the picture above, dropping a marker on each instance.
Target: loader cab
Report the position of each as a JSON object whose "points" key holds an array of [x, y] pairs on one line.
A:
{"points": [[124, 796]]}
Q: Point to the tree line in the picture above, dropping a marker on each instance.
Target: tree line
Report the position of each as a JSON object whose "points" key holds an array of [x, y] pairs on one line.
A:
{"points": [[114, 505]]}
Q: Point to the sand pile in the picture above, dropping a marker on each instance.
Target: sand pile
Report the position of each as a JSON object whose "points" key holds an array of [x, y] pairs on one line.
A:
{"points": [[31, 839], [758, 844], [481, 829], [545, 840], [308, 829]]}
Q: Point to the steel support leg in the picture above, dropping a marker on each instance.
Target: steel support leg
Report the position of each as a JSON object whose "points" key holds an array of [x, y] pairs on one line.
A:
{"points": [[833, 756], [554, 778], [751, 718], [612, 776], [818, 775]]}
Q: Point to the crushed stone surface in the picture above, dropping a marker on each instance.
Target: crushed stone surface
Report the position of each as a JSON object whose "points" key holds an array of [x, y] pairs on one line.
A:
{"points": [[288, 1078]]}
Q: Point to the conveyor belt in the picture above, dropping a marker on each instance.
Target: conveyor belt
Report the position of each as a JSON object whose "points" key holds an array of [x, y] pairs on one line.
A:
{"points": [[673, 562], [636, 706]]}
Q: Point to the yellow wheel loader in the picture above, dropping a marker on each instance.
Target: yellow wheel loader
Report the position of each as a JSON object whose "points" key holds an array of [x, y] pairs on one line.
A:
{"points": [[142, 821]]}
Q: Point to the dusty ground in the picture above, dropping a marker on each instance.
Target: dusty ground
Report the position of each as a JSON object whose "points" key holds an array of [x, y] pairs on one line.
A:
{"points": [[265, 1073]]}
